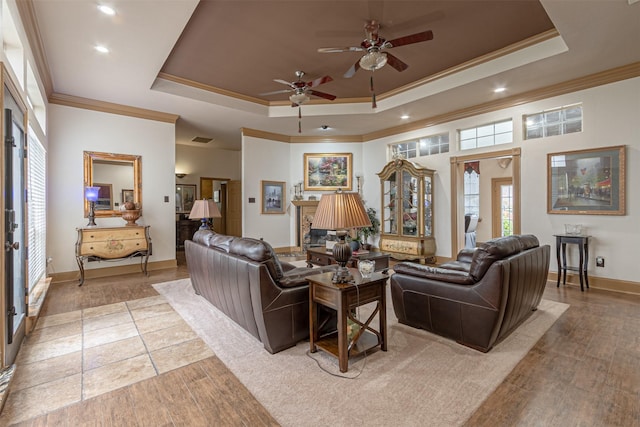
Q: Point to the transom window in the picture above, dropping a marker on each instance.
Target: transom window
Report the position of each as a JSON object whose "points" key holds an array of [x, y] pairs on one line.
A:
{"points": [[486, 135], [427, 146], [556, 121]]}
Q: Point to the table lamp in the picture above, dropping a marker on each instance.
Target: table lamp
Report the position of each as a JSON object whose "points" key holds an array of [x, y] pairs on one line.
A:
{"points": [[341, 211], [204, 209], [91, 194]]}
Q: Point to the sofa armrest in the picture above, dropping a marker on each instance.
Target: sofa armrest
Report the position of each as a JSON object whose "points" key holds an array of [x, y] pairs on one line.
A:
{"points": [[434, 273], [287, 266], [298, 276]]}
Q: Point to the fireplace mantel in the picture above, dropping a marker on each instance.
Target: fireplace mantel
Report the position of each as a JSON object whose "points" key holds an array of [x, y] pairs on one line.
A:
{"points": [[305, 211]]}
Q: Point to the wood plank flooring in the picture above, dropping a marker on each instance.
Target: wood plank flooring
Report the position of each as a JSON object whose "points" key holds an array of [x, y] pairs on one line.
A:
{"points": [[584, 371]]}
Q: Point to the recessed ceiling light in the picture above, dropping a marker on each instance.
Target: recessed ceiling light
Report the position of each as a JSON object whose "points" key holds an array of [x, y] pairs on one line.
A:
{"points": [[404, 116], [499, 89], [106, 10], [101, 49], [324, 127]]}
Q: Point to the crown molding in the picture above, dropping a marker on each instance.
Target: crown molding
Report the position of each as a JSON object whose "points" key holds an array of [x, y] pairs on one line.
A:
{"points": [[593, 80], [31, 28], [208, 88], [255, 133], [598, 79], [108, 107]]}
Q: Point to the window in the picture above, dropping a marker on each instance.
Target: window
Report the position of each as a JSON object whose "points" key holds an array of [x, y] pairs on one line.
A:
{"points": [[37, 211], [435, 144], [557, 121], [471, 192], [486, 135], [405, 150]]}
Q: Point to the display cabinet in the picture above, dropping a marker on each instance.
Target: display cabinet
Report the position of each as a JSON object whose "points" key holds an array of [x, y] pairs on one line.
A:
{"points": [[407, 211]]}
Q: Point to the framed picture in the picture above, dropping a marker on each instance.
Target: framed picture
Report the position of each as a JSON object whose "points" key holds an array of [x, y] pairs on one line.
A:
{"points": [[326, 172], [127, 196], [273, 193], [216, 196], [587, 182], [185, 196], [105, 201]]}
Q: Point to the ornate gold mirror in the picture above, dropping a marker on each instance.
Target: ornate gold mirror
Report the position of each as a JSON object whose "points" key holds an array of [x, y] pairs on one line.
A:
{"points": [[119, 178]]}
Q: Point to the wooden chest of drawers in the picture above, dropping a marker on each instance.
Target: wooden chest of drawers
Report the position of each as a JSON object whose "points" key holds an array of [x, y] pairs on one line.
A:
{"points": [[112, 243]]}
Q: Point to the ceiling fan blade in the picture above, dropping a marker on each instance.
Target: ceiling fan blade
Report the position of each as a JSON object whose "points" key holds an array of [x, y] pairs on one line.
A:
{"points": [[284, 82], [413, 38], [319, 81], [275, 92], [340, 49], [321, 94], [395, 62], [351, 71]]}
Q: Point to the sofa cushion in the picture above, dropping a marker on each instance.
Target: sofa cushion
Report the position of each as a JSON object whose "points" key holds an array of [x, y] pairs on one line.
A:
{"points": [[497, 249], [212, 239], [259, 251]]}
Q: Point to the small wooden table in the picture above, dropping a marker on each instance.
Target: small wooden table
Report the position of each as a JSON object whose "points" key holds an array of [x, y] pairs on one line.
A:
{"points": [[345, 298], [111, 244], [561, 249], [322, 257]]}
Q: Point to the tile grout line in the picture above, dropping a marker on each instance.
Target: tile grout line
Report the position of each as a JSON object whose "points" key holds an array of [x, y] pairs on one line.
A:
{"points": [[144, 343]]}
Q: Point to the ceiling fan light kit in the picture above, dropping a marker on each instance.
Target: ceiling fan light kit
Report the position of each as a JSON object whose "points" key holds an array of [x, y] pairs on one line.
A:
{"points": [[373, 61]]}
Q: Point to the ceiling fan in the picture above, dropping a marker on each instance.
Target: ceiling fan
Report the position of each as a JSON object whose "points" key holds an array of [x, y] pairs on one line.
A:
{"points": [[374, 45], [301, 91]]}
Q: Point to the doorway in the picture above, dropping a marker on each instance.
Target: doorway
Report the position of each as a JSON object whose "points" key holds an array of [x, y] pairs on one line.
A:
{"points": [[15, 280], [457, 192], [216, 189]]}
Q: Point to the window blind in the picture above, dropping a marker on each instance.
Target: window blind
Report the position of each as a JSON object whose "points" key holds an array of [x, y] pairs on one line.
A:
{"points": [[36, 161]]}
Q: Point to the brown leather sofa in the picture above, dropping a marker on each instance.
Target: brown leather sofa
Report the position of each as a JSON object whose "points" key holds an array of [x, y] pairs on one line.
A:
{"points": [[477, 299], [244, 279]]}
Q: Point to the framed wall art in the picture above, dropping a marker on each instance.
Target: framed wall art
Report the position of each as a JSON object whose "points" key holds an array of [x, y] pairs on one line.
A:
{"points": [[587, 182], [327, 172], [127, 196], [273, 194], [185, 196]]}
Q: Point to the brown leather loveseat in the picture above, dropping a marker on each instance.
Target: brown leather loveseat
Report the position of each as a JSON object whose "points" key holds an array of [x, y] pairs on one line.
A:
{"points": [[479, 298], [244, 279]]}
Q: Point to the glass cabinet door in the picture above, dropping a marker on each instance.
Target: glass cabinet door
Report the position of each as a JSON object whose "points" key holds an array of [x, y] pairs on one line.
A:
{"points": [[409, 204], [389, 203], [428, 207]]}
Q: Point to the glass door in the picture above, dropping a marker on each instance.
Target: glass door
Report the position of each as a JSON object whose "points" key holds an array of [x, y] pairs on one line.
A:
{"points": [[14, 221]]}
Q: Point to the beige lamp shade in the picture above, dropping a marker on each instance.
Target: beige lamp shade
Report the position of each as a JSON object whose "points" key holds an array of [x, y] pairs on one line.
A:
{"points": [[339, 211], [203, 209]]}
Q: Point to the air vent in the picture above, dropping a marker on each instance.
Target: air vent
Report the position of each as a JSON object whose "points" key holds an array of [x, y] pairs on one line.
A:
{"points": [[202, 140]]}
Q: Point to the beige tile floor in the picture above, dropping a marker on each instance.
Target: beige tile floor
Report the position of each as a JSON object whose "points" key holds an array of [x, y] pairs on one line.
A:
{"points": [[78, 355]]}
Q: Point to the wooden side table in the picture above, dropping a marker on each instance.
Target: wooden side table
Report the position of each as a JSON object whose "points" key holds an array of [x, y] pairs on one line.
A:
{"points": [[561, 254], [345, 298], [322, 257]]}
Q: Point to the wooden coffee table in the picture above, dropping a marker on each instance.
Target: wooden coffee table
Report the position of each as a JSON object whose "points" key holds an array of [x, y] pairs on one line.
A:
{"points": [[345, 298], [322, 257]]}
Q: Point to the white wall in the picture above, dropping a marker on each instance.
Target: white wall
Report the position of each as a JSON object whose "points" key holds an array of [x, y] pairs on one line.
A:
{"points": [[610, 118], [268, 160], [73, 131], [206, 162]]}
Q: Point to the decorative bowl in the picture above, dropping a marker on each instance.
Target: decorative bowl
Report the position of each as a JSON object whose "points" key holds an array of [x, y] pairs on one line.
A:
{"points": [[573, 228], [131, 216]]}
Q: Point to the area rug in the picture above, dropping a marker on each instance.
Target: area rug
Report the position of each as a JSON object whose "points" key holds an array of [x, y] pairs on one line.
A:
{"points": [[422, 379]]}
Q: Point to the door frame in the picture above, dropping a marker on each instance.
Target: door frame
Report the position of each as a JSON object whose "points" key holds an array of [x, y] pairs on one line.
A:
{"points": [[496, 207], [457, 192]]}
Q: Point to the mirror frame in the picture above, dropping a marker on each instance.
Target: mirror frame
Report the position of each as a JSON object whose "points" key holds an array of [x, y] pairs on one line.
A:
{"points": [[136, 162]]}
